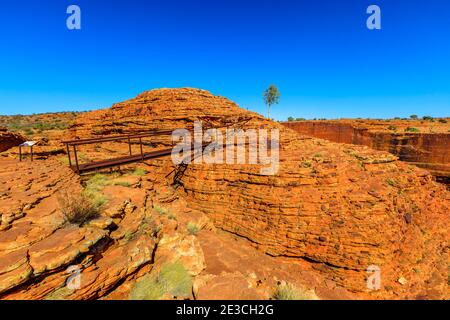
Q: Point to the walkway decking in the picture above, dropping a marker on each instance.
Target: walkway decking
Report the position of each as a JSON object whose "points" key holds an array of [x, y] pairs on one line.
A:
{"points": [[93, 166], [97, 165]]}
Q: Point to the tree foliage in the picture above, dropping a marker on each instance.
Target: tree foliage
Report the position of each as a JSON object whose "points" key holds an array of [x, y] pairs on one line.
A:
{"points": [[271, 97]]}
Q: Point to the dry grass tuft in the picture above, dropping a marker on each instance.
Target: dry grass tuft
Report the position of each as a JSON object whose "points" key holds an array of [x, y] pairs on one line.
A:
{"points": [[77, 208]]}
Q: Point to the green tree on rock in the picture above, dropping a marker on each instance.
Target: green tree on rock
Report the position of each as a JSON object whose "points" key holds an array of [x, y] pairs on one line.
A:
{"points": [[271, 96]]}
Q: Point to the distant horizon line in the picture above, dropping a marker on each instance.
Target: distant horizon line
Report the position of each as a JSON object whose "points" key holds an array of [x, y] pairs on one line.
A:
{"points": [[421, 118]]}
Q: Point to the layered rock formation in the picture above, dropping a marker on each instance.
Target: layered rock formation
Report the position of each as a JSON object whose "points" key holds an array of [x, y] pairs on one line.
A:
{"points": [[39, 247], [9, 139], [429, 149], [339, 207]]}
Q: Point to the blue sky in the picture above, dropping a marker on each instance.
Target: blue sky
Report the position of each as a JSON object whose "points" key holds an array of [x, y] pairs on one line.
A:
{"points": [[319, 53]]}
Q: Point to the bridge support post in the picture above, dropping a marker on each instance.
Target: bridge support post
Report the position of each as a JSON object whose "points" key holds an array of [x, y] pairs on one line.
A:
{"points": [[68, 154], [76, 159]]}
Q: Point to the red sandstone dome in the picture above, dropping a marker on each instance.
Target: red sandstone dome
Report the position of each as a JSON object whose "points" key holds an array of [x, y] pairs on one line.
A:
{"points": [[339, 207]]}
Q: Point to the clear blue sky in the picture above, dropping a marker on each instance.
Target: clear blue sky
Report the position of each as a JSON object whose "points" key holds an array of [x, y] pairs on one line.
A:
{"points": [[319, 53]]}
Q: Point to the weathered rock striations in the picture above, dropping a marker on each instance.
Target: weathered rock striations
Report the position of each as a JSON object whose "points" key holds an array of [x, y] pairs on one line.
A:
{"points": [[9, 139], [428, 150], [340, 207]]}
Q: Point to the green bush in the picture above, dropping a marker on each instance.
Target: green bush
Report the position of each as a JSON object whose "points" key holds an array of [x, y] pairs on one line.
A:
{"points": [[139, 172], [192, 228], [122, 184], [414, 116], [172, 216], [290, 292], [173, 279], [290, 119], [93, 189], [427, 118], [147, 288], [443, 120], [391, 182], [392, 128], [160, 210], [412, 129]]}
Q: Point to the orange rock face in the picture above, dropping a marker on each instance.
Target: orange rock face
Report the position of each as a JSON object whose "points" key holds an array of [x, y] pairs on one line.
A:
{"points": [[429, 149], [329, 213], [339, 207], [9, 139]]}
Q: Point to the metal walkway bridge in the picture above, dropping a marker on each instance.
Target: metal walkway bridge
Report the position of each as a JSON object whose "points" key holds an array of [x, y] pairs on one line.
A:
{"points": [[97, 165]]}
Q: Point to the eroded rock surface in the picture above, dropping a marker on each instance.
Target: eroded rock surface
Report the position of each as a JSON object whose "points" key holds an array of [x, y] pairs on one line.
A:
{"points": [[9, 139], [341, 207], [330, 212], [428, 149]]}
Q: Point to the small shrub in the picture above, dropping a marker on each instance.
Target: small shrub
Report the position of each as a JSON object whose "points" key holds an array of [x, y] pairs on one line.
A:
{"points": [[156, 229], [147, 288], [64, 160], [93, 189], [128, 236], [290, 292], [160, 210], [414, 116], [412, 129], [306, 164], [391, 182], [427, 118], [96, 183], [443, 120], [290, 119], [77, 208], [172, 216], [58, 294], [123, 184], [192, 228], [173, 278], [139, 172], [300, 119], [392, 128]]}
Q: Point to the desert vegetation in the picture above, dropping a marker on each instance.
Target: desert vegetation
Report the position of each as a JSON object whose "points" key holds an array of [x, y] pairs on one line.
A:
{"points": [[271, 97], [192, 228], [143, 244], [38, 123], [173, 279], [288, 291], [77, 208], [392, 128], [81, 207], [412, 129], [139, 172]]}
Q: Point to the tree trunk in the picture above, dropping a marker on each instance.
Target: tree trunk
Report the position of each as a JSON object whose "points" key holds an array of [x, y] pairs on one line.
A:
{"points": [[268, 113]]}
